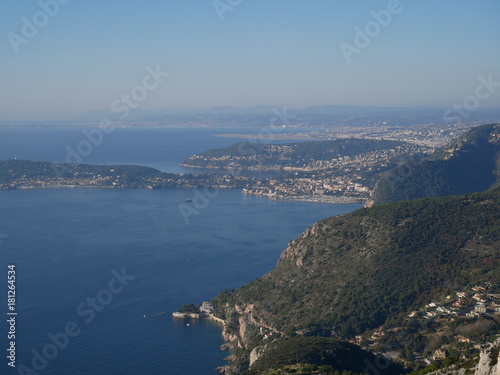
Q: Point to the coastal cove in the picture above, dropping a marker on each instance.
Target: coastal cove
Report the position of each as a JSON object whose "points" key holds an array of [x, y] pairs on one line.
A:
{"points": [[73, 239]]}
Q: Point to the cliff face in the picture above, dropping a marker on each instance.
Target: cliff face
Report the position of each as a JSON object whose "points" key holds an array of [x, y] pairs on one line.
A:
{"points": [[488, 363], [238, 326], [489, 360], [349, 273]]}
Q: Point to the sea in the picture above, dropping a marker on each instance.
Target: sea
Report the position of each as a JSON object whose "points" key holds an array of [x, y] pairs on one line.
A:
{"points": [[98, 272]]}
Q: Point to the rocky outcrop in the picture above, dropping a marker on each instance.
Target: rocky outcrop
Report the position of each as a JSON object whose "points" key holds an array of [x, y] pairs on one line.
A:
{"points": [[256, 353], [489, 360], [242, 330], [488, 364], [237, 326], [352, 272]]}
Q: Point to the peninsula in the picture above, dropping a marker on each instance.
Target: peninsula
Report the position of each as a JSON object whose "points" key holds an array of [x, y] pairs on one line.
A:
{"points": [[24, 174]]}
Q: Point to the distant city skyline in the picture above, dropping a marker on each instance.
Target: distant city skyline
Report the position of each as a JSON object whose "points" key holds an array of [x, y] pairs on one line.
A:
{"points": [[62, 59]]}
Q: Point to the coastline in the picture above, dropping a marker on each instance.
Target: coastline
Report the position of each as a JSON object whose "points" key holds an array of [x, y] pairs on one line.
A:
{"points": [[320, 199], [325, 199], [32, 187], [252, 169], [271, 137], [203, 315]]}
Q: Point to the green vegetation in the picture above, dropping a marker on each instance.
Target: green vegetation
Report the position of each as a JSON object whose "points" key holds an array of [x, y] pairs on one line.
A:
{"points": [[15, 173], [248, 154], [352, 272], [14, 169], [470, 163], [447, 362], [358, 276], [318, 355], [189, 309], [222, 301], [23, 170]]}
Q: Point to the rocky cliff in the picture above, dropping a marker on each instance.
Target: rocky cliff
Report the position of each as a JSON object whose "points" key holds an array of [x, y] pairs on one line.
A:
{"points": [[350, 273], [488, 363]]}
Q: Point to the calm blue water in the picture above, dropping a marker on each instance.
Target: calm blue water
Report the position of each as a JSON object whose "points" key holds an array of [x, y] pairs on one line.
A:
{"points": [[66, 243], [161, 148]]}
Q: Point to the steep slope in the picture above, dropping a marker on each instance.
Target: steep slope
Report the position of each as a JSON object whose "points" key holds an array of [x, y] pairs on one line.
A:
{"points": [[350, 273], [470, 163], [319, 355]]}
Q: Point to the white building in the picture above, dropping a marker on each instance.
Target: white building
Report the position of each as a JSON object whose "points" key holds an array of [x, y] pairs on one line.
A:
{"points": [[206, 307]]}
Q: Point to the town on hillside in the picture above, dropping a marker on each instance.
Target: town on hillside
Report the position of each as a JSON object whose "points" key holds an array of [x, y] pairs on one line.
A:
{"points": [[458, 324]]}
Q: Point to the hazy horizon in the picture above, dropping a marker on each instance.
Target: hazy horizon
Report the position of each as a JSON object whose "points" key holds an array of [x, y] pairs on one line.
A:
{"points": [[63, 59]]}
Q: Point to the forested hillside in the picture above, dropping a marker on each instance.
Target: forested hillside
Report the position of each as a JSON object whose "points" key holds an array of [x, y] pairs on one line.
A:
{"points": [[470, 163], [351, 273]]}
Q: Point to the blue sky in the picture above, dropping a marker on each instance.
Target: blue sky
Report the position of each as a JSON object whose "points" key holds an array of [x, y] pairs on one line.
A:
{"points": [[270, 52]]}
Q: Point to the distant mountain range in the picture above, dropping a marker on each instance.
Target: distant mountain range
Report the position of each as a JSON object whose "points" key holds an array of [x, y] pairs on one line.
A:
{"points": [[254, 110], [470, 163], [262, 115], [265, 115]]}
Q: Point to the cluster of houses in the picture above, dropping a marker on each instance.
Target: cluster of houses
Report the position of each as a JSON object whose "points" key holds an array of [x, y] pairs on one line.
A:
{"points": [[472, 303], [430, 134], [337, 176]]}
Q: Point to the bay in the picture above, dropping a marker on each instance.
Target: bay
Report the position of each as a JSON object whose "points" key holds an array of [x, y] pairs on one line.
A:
{"points": [[68, 245]]}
